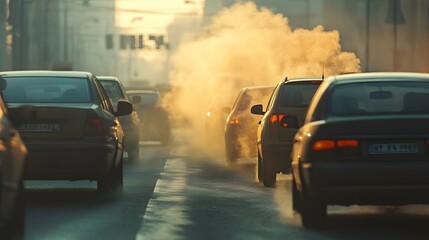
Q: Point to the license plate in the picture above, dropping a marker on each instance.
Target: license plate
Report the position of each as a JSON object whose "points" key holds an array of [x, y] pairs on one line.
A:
{"points": [[39, 127], [392, 148]]}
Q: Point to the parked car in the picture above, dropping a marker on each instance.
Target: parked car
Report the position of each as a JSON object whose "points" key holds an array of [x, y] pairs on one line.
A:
{"points": [[130, 123], [155, 119], [241, 125], [76, 134], [13, 154], [364, 141], [274, 136]]}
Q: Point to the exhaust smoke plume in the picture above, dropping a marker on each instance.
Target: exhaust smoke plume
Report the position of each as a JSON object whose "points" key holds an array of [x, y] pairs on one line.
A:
{"points": [[245, 46]]}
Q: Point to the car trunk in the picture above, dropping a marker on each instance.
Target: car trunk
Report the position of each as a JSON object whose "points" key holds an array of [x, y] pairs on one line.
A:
{"points": [[382, 138], [56, 122]]}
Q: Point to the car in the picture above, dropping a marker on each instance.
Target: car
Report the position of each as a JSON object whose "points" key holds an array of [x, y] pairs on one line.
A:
{"points": [[274, 138], [240, 125], [364, 141], [155, 119], [76, 134], [130, 123], [13, 153], [215, 117]]}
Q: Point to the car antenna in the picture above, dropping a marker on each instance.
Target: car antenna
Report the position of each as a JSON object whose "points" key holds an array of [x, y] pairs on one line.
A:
{"points": [[286, 79], [323, 71]]}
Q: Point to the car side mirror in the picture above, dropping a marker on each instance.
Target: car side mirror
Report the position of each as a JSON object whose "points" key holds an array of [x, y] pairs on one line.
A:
{"points": [[136, 99], [257, 109], [289, 122], [23, 114], [124, 108]]}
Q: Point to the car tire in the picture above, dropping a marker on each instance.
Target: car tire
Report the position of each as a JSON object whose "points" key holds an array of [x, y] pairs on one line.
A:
{"points": [[230, 150], [231, 157], [165, 132], [113, 181], [269, 174], [134, 154], [259, 170], [16, 226], [296, 196], [313, 211]]}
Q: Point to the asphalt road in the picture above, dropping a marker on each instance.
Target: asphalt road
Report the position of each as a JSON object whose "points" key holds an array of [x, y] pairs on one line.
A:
{"points": [[172, 195]]}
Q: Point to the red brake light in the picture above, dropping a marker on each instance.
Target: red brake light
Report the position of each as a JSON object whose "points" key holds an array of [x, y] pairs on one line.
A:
{"points": [[234, 120], [347, 143], [323, 145], [94, 125], [276, 121], [331, 144]]}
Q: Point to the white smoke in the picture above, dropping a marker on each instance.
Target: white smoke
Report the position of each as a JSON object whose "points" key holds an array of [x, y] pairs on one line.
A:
{"points": [[245, 46]]}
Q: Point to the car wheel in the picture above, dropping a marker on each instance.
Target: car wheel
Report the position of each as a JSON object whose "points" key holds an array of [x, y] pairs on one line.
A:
{"points": [[113, 181], [231, 156], [260, 170], [165, 132], [14, 229], [313, 211], [133, 155], [296, 196], [269, 174]]}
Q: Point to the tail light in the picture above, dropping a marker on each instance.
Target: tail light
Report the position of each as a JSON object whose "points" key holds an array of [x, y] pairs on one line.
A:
{"points": [[233, 120], [276, 122], [94, 125], [340, 147]]}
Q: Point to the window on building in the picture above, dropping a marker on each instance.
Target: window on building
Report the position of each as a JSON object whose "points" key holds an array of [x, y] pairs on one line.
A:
{"points": [[132, 40], [109, 41], [123, 41], [141, 42]]}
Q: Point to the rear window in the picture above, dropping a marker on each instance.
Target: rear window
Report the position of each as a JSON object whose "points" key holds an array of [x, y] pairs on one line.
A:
{"points": [[147, 99], [46, 90], [379, 98], [252, 96], [113, 90], [298, 94]]}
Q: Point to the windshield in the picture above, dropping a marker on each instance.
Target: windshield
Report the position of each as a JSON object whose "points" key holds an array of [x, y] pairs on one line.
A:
{"points": [[298, 95], [379, 98], [113, 90], [46, 90]]}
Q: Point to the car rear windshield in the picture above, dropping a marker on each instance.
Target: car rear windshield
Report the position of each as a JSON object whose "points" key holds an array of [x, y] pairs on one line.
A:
{"points": [[298, 94], [147, 99], [252, 96], [113, 90], [379, 98], [46, 90]]}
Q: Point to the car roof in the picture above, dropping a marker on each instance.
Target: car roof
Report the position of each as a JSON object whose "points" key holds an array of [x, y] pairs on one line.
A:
{"points": [[45, 73], [379, 76], [258, 87], [142, 91], [108, 78], [303, 79]]}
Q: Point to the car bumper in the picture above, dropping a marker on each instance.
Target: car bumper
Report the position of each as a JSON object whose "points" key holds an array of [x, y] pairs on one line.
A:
{"points": [[278, 155], [69, 160], [367, 183]]}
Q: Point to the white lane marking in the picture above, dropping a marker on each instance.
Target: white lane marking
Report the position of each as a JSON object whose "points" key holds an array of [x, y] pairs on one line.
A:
{"points": [[166, 212]]}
